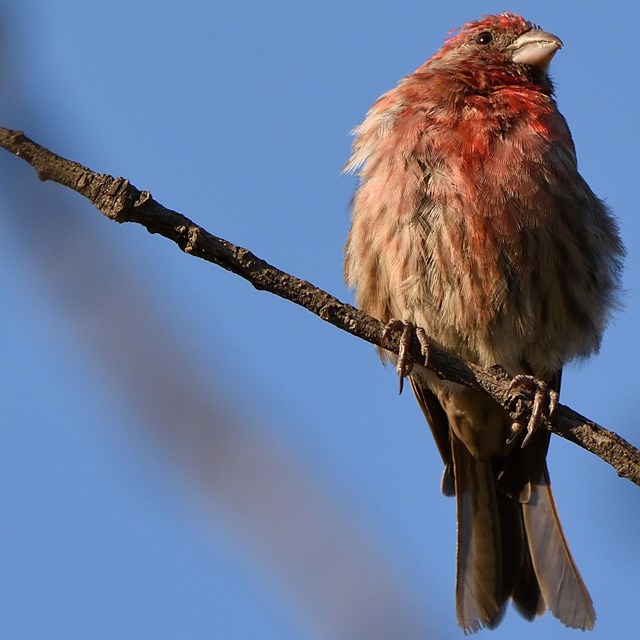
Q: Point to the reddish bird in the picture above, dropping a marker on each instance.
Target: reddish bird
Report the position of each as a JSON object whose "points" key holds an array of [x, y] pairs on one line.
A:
{"points": [[472, 221]]}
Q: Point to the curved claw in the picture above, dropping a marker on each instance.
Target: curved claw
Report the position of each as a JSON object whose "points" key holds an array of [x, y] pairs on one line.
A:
{"points": [[404, 363], [545, 401]]}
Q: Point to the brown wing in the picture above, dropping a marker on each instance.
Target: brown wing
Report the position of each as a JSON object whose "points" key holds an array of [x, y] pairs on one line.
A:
{"points": [[439, 424]]}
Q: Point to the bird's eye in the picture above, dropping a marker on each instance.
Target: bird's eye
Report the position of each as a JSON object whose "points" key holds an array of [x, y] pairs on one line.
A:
{"points": [[484, 38]]}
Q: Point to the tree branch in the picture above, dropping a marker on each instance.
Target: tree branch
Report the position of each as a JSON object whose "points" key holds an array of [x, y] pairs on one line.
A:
{"points": [[120, 201]]}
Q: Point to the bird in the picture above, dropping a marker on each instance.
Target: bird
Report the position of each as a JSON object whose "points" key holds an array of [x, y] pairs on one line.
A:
{"points": [[471, 221]]}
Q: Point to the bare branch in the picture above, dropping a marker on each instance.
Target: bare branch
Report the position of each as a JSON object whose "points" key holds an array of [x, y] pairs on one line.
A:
{"points": [[120, 201]]}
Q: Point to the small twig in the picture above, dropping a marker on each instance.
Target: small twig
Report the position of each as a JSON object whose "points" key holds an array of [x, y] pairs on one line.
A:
{"points": [[120, 201]]}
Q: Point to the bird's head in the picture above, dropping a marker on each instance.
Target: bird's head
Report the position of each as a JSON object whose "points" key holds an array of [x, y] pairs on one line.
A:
{"points": [[501, 39]]}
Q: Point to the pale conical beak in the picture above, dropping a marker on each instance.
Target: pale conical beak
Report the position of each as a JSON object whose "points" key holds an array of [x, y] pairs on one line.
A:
{"points": [[535, 48]]}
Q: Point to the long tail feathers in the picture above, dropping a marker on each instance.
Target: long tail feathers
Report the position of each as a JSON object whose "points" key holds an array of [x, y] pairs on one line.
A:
{"points": [[510, 540], [480, 597], [560, 582], [510, 549]]}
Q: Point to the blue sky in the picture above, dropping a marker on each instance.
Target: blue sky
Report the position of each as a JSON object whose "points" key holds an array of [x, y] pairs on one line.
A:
{"points": [[185, 457]]}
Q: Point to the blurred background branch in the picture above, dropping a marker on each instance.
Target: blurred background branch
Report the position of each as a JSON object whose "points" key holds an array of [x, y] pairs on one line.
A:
{"points": [[325, 560]]}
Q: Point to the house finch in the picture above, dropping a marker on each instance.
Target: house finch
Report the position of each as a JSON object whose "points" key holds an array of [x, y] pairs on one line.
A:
{"points": [[472, 221]]}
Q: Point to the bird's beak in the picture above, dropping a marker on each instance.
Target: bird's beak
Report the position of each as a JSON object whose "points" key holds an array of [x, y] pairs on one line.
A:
{"points": [[535, 48]]}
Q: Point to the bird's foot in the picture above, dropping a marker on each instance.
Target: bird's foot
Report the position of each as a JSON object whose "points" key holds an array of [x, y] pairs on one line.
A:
{"points": [[404, 362], [545, 401]]}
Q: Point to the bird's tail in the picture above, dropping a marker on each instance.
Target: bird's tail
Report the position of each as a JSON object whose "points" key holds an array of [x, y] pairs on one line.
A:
{"points": [[561, 584], [480, 597], [512, 546]]}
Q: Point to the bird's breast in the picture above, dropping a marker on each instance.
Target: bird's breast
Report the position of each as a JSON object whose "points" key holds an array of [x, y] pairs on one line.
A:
{"points": [[477, 227]]}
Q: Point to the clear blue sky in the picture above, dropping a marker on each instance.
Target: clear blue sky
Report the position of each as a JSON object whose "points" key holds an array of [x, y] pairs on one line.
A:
{"points": [[184, 457]]}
